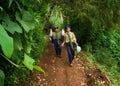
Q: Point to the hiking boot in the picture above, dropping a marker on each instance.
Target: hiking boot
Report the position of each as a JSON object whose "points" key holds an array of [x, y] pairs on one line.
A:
{"points": [[71, 65]]}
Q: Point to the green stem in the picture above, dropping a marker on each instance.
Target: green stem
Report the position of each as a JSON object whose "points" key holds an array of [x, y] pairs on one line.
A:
{"points": [[10, 61]]}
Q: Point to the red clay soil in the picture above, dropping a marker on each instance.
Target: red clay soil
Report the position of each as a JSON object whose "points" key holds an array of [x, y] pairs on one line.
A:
{"points": [[58, 72]]}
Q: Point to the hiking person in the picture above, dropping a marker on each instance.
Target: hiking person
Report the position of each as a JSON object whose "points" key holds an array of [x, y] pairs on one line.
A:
{"points": [[57, 41], [51, 30], [70, 41]]}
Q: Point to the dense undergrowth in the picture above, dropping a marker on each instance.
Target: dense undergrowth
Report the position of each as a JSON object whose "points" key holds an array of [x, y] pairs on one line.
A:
{"points": [[22, 40], [107, 55]]}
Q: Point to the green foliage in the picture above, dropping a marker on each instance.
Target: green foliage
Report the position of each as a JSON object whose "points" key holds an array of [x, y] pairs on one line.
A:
{"points": [[27, 20], [10, 2], [22, 39], [6, 42], [28, 62], [106, 52], [15, 76], [56, 18], [1, 8], [2, 77], [39, 39], [96, 25], [9, 25]]}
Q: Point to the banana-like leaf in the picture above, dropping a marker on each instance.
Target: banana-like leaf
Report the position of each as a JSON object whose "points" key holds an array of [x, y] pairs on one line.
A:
{"points": [[28, 62], [27, 20], [12, 27], [9, 25], [6, 42], [2, 77]]}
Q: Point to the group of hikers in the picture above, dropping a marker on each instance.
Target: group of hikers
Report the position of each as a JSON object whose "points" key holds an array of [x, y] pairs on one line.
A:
{"points": [[59, 39]]}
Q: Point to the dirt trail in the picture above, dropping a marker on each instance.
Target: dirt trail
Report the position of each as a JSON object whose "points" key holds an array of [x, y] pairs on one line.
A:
{"points": [[58, 72]]}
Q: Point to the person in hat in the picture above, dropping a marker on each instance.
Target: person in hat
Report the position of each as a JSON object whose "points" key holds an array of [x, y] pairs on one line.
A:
{"points": [[57, 41], [70, 41]]}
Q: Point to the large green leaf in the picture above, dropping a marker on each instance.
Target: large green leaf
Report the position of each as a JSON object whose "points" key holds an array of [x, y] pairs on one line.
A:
{"points": [[6, 42], [28, 62], [9, 25], [27, 20], [12, 27], [2, 77]]}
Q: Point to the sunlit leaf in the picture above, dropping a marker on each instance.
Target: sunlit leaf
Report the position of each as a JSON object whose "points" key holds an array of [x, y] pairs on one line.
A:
{"points": [[28, 62], [6, 42]]}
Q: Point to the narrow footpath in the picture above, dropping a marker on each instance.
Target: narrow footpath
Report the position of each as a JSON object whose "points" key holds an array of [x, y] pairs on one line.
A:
{"points": [[57, 70], [59, 73]]}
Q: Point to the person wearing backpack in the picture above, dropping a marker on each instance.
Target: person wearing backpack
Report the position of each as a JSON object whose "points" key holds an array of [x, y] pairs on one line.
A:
{"points": [[57, 41], [70, 41]]}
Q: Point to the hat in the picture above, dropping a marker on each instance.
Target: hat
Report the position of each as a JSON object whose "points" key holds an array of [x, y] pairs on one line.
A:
{"points": [[68, 26]]}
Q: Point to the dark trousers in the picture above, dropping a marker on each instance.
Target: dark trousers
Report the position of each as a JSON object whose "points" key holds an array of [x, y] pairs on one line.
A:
{"points": [[52, 40], [70, 52], [57, 47]]}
